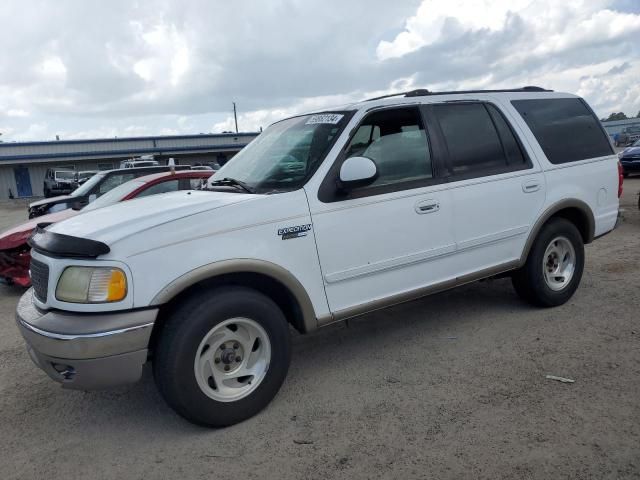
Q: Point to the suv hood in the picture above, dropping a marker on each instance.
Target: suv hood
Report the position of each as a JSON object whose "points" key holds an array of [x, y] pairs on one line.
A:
{"points": [[50, 200], [118, 221]]}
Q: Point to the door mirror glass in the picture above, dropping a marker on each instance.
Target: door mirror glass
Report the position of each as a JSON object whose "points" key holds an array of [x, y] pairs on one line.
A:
{"points": [[358, 172]]}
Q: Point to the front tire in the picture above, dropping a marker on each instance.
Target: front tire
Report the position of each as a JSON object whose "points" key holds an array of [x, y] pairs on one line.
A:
{"points": [[222, 356], [554, 266]]}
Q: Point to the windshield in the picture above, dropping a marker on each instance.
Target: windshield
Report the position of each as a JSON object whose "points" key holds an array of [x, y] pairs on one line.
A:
{"points": [[87, 186], [286, 154], [64, 175], [636, 143], [114, 196]]}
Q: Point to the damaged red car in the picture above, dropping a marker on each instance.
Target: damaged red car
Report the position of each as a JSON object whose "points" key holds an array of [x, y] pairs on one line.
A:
{"points": [[15, 254]]}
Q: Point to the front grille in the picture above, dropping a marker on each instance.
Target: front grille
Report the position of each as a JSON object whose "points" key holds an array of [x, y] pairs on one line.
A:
{"points": [[40, 279]]}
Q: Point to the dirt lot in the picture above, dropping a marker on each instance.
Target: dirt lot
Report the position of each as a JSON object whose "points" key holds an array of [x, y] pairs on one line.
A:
{"points": [[452, 386]]}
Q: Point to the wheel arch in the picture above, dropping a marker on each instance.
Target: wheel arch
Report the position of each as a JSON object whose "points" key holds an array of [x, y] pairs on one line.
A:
{"points": [[574, 210], [268, 278]]}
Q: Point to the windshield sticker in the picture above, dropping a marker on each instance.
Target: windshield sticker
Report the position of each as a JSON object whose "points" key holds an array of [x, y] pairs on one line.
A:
{"points": [[331, 118]]}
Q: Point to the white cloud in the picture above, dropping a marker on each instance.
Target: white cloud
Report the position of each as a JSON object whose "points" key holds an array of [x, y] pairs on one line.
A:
{"points": [[53, 68], [254, 120], [429, 24], [84, 69], [166, 59], [16, 112]]}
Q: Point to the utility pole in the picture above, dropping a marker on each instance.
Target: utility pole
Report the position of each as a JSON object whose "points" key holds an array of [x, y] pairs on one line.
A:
{"points": [[235, 116]]}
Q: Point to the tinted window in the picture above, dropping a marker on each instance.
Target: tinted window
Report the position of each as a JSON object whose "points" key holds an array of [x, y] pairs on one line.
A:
{"points": [[64, 175], [565, 128], [511, 147], [196, 183], [113, 181], [471, 138], [164, 187], [396, 140]]}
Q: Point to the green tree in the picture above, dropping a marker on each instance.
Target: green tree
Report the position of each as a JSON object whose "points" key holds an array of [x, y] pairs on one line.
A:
{"points": [[616, 116]]}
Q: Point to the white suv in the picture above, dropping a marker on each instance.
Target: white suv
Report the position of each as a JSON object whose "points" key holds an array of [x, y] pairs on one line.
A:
{"points": [[323, 217]]}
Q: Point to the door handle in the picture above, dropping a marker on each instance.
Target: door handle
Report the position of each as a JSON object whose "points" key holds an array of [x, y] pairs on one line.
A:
{"points": [[530, 187], [427, 206]]}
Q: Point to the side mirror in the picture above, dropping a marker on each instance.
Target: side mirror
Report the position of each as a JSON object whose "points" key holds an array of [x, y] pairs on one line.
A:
{"points": [[357, 172]]}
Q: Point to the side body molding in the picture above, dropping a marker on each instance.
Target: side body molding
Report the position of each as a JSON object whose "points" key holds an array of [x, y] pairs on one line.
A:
{"points": [[238, 266], [552, 210]]}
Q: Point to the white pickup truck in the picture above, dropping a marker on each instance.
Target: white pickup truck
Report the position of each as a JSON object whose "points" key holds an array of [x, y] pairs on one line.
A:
{"points": [[323, 217]]}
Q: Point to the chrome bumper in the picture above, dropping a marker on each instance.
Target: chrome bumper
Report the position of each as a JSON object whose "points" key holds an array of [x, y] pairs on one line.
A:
{"points": [[86, 351]]}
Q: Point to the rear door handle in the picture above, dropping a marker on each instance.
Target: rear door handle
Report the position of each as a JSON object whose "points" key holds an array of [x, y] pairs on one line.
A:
{"points": [[427, 206], [530, 187]]}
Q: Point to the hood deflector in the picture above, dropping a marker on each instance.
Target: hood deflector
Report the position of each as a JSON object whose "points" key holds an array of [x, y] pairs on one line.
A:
{"points": [[59, 245]]}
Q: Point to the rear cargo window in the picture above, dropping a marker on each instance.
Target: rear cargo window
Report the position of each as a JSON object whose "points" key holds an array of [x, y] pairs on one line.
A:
{"points": [[565, 128]]}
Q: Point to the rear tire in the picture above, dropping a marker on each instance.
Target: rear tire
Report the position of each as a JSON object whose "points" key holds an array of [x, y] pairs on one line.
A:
{"points": [[222, 356], [554, 266]]}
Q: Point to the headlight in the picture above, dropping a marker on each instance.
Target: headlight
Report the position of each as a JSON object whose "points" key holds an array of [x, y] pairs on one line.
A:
{"points": [[91, 285]]}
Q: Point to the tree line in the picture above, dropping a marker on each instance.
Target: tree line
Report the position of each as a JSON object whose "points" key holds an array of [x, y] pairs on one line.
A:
{"points": [[618, 116]]}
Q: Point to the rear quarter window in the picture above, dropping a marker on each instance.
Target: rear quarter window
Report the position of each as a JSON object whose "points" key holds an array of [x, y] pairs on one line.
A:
{"points": [[566, 128]]}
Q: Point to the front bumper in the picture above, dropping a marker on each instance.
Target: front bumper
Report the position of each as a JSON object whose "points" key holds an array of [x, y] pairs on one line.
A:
{"points": [[86, 351]]}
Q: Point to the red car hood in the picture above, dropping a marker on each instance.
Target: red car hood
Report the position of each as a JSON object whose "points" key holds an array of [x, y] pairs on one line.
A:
{"points": [[19, 234]]}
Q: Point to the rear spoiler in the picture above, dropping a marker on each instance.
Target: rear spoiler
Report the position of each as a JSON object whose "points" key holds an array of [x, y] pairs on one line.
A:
{"points": [[59, 245]]}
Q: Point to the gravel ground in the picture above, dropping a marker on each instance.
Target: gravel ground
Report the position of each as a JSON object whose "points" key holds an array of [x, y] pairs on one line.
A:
{"points": [[452, 386]]}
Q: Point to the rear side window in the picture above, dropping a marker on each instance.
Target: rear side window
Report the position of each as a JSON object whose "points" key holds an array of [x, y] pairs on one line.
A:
{"points": [[478, 139], [163, 187], [114, 180], [565, 128], [512, 149]]}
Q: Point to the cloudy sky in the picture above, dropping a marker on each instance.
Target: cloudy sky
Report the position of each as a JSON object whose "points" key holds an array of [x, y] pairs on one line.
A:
{"points": [[85, 69]]}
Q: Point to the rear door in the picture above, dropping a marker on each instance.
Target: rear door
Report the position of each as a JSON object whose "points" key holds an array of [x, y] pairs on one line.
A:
{"points": [[497, 190]]}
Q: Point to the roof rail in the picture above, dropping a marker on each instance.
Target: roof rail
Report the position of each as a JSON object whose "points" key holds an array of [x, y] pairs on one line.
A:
{"points": [[422, 92]]}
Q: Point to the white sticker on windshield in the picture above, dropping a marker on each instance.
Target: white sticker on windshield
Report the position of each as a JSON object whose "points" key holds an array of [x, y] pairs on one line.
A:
{"points": [[332, 118]]}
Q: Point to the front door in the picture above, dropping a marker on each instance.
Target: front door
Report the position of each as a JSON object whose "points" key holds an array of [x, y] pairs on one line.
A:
{"points": [[394, 236], [23, 181]]}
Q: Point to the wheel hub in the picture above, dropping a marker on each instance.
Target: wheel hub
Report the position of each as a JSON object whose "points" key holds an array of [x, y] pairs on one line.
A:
{"points": [[232, 359], [559, 263], [229, 356]]}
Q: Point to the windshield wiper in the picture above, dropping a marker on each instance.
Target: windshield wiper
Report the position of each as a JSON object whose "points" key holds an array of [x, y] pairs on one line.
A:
{"points": [[233, 182]]}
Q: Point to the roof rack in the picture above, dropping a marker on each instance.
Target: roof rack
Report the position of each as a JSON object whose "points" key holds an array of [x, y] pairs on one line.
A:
{"points": [[422, 92]]}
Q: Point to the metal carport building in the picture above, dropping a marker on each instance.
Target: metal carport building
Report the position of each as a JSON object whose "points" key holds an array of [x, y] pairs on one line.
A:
{"points": [[23, 165]]}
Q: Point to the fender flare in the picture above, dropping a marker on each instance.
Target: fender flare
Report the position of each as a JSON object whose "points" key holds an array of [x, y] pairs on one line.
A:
{"points": [[550, 212], [242, 265]]}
